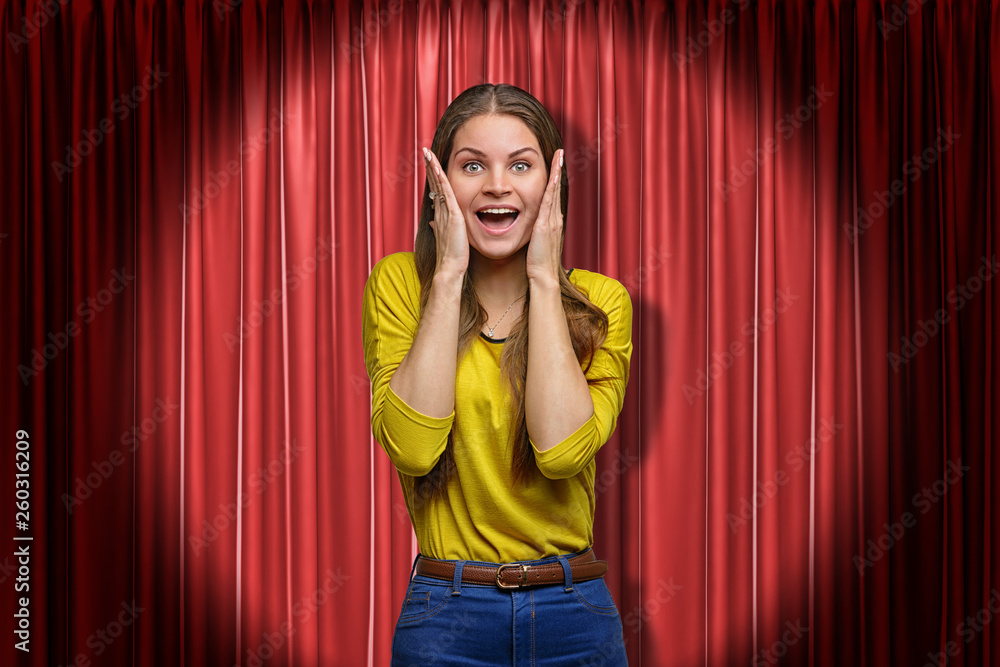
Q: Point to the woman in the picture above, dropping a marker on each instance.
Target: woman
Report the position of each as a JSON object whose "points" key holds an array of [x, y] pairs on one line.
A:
{"points": [[496, 376]]}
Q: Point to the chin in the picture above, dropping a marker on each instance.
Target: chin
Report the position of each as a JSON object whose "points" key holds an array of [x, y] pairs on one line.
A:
{"points": [[500, 250]]}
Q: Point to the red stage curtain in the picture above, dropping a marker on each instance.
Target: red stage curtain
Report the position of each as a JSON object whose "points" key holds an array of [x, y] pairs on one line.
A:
{"points": [[798, 197]]}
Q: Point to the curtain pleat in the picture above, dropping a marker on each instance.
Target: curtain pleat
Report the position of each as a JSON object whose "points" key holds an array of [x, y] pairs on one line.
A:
{"points": [[797, 196]]}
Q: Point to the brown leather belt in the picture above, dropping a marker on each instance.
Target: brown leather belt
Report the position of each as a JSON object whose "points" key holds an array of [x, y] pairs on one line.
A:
{"points": [[584, 567]]}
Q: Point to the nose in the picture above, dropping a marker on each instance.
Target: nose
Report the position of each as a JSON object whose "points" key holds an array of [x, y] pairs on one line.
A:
{"points": [[496, 183]]}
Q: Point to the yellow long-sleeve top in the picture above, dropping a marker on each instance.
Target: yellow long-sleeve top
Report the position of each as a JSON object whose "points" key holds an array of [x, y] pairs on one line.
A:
{"points": [[483, 515]]}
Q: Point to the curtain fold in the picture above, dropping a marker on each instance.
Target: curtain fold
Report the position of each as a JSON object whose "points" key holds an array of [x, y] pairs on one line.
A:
{"points": [[798, 197]]}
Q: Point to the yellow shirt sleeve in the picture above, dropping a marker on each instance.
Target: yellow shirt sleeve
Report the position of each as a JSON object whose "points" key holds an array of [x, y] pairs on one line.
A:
{"points": [[572, 455], [413, 441]]}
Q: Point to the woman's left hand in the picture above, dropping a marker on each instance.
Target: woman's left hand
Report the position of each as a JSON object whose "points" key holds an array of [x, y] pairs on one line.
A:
{"points": [[544, 258]]}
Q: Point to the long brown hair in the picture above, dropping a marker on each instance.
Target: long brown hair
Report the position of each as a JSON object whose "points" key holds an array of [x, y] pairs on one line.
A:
{"points": [[588, 324]]}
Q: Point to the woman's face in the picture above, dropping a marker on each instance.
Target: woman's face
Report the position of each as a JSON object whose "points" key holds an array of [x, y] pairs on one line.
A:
{"points": [[498, 175]]}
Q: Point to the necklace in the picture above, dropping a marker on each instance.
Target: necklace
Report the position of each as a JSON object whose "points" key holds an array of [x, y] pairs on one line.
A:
{"points": [[490, 334]]}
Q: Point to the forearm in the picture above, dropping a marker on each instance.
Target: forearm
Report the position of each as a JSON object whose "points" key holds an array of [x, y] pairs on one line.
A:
{"points": [[425, 379], [557, 397]]}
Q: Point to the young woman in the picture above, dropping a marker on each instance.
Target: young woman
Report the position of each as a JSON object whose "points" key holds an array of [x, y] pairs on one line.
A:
{"points": [[496, 376]]}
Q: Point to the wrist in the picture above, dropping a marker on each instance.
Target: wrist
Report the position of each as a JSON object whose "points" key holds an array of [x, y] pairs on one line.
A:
{"points": [[446, 281], [541, 285]]}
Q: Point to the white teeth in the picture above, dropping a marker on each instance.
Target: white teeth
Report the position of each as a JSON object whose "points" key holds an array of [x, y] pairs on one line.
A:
{"points": [[498, 210]]}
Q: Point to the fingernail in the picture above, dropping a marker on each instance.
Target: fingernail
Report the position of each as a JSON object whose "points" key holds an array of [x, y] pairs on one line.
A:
{"points": [[562, 153], [427, 155]]}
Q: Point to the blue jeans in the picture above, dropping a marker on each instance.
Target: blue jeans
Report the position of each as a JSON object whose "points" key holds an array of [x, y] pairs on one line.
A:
{"points": [[454, 624]]}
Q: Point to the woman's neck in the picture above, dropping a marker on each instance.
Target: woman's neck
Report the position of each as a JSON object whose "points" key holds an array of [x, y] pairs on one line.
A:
{"points": [[499, 281]]}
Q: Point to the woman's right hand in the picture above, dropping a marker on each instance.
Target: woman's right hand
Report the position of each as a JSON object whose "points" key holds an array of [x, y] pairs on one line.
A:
{"points": [[448, 223]]}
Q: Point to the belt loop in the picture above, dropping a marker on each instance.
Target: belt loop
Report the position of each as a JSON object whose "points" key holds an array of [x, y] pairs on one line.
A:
{"points": [[457, 584], [567, 572]]}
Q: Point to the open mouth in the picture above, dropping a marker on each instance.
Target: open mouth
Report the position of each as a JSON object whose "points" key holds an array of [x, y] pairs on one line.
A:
{"points": [[497, 219]]}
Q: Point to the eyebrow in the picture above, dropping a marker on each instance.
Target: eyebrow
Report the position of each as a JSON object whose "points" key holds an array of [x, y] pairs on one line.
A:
{"points": [[482, 154]]}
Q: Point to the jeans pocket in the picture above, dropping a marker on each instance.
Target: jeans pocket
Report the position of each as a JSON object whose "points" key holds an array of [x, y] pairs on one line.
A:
{"points": [[595, 596], [424, 599]]}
